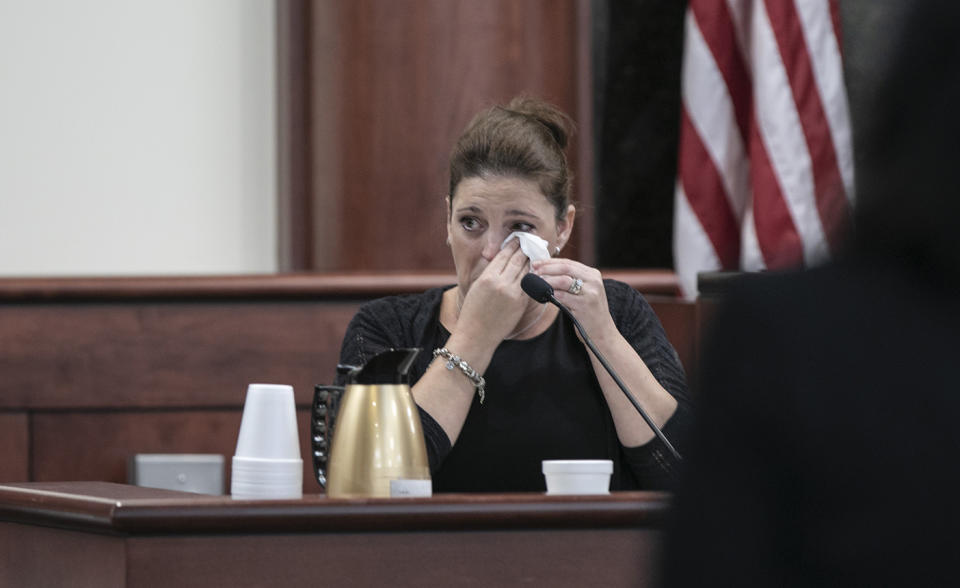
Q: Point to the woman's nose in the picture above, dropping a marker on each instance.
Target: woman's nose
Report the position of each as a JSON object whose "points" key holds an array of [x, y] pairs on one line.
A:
{"points": [[492, 245]]}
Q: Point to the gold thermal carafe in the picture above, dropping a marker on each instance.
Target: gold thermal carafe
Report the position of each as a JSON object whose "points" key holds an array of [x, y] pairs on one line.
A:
{"points": [[378, 439]]}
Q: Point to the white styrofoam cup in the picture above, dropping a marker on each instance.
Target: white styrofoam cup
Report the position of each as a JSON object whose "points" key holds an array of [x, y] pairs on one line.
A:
{"points": [[267, 463], [578, 476]]}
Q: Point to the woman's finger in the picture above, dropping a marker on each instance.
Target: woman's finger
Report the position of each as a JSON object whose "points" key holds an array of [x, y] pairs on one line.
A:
{"points": [[517, 266], [502, 258]]}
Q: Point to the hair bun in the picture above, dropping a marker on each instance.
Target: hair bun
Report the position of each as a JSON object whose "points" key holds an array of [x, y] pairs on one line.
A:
{"points": [[560, 125], [523, 139]]}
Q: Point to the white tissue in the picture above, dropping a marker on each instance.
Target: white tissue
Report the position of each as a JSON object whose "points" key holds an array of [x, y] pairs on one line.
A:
{"points": [[533, 246]]}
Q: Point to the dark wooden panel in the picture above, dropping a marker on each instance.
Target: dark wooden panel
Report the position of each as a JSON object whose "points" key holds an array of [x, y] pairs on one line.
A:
{"points": [[176, 539], [97, 445], [174, 342], [707, 307], [15, 443], [37, 556], [294, 145], [155, 354], [585, 157], [394, 84], [621, 557]]}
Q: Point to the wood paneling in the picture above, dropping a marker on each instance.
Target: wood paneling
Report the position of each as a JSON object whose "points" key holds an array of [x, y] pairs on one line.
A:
{"points": [[36, 556], [610, 558], [97, 445], [156, 354], [462, 540], [294, 145], [14, 440], [394, 83], [189, 354]]}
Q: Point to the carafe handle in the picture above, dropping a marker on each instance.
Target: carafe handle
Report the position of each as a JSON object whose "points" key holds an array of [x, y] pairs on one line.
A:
{"points": [[326, 402]]}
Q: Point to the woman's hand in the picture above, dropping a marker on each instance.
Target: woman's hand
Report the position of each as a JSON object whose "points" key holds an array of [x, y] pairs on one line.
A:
{"points": [[590, 304], [495, 301]]}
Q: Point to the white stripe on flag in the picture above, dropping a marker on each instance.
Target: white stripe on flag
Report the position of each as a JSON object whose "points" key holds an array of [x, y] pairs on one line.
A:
{"points": [[694, 253], [751, 258], [782, 130], [783, 137], [711, 113], [828, 74]]}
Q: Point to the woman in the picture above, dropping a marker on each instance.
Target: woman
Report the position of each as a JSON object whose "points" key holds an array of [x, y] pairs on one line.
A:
{"points": [[542, 395]]}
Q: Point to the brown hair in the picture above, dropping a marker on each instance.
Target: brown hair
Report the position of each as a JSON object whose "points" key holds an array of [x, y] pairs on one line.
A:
{"points": [[525, 139]]}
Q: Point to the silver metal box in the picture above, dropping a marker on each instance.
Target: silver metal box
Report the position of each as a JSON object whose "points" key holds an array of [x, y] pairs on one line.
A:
{"points": [[187, 472]]}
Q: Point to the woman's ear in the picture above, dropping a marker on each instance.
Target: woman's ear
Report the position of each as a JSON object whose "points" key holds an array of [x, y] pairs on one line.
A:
{"points": [[565, 226]]}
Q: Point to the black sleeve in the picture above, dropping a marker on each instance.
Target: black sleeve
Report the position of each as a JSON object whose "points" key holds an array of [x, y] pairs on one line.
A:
{"points": [[438, 444], [652, 464]]}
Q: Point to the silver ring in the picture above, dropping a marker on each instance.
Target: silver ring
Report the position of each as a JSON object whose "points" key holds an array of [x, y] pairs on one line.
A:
{"points": [[576, 286]]}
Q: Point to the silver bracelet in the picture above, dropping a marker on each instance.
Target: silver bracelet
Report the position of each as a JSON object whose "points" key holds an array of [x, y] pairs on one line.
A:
{"points": [[455, 361]]}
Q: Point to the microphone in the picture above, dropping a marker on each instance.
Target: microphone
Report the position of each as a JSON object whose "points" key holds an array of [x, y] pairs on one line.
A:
{"points": [[537, 288]]}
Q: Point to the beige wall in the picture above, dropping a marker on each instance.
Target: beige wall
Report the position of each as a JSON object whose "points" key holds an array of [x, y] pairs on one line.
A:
{"points": [[137, 137]]}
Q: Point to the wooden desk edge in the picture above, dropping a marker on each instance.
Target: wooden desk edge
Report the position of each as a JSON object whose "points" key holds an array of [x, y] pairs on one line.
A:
{"points": [[292, 285], [101, 508]]}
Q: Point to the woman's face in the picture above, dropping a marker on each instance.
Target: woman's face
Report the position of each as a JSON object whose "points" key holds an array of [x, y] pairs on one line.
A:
{"points": [[486, 210]]}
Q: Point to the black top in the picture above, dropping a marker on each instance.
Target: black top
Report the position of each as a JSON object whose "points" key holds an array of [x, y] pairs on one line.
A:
{"points": [[543, 400]]}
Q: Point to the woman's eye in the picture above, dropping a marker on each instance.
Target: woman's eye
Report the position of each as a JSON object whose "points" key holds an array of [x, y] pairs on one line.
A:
{"points": [[524, 227], [469, 223]]}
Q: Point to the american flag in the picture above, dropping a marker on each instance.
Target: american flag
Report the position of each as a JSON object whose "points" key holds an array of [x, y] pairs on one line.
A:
{"points": [[765, 169]]}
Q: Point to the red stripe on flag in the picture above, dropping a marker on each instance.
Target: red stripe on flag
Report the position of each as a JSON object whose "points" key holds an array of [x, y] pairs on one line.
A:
{"points": [[715, 24], [779, 240], [704, 188], [828, 184]]}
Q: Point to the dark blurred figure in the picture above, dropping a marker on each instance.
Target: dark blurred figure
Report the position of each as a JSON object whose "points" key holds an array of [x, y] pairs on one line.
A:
{"points": [[827, 450]]}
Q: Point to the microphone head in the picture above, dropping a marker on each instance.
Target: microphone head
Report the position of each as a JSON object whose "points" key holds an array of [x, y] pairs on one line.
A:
{"points": [[536, 287]]}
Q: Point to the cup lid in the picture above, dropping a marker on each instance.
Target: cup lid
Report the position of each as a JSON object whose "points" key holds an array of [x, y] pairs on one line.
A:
{"points": [[577, 466]]}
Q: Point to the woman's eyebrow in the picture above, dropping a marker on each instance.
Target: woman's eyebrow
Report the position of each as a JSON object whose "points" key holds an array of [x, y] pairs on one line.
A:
{"points": [[511, 213], [522, 213]]}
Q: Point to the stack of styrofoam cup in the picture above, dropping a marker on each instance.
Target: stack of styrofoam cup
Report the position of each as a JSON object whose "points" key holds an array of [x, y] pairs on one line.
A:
{"points": [[267, 463]]}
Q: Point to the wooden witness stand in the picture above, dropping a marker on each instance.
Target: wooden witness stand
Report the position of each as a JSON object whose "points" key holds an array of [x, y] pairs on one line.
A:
{"points": [[100, 369], [111, 535]]}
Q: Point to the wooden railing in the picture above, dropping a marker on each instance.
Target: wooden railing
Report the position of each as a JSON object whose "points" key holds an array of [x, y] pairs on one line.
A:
{"points": [[305, 285]]}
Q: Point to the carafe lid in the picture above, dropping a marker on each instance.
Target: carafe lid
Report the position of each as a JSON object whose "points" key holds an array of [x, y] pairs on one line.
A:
{"points": [[388, 367]]}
